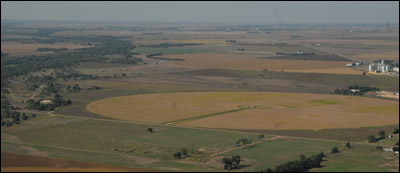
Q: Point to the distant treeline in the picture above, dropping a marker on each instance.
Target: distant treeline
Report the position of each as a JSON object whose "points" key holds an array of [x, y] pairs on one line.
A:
{"points": [[151, 56], [358, 90], [11, 66]]}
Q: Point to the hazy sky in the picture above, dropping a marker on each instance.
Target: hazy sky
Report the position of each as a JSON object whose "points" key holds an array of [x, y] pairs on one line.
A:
{"points": [[224, 12]]}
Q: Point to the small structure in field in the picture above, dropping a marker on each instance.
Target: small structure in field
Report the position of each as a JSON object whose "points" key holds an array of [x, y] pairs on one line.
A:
{"points": [[388, 149], [45, 102]]}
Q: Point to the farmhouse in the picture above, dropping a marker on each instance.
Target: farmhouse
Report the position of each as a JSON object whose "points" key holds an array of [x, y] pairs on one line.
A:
{"points": [[355, 90], [45, 102], [388, 149]]}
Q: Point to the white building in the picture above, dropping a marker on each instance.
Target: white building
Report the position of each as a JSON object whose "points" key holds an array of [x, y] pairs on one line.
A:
{"points": [[396, 69], [371, 67]]}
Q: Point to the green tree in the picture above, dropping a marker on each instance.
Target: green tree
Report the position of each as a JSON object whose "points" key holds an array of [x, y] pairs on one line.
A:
{"points": [[24, 117], [348, 145], [379, 148], [261, 137], [184, 152], [382, 134], [335, 150], [236, 161], [395, 131], [177, 155], [371, 138], [150, 130], [227, 163]]}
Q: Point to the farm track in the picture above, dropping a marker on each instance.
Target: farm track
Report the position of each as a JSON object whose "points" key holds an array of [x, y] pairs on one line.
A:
{"points": [[203, 116], [234, 148], [215, 130]]}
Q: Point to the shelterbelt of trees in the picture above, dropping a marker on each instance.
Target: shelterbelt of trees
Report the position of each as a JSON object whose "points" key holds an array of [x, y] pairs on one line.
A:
{"points": [[103, 45]]}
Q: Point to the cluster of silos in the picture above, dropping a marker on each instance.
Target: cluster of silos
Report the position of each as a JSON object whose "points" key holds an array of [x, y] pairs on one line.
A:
{"points": [[380, 67]]}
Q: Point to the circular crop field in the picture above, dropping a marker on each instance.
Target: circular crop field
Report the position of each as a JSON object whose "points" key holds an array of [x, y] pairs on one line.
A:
{"points": [[251, 110]]}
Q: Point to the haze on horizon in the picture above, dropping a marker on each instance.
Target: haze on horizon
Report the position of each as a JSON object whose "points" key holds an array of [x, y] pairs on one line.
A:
{"points": [[352, 12]]}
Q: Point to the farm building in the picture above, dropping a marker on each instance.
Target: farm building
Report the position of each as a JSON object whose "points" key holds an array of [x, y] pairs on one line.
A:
{"points": [[355, 90], [371, 67], [388, 149], [45, 102]]}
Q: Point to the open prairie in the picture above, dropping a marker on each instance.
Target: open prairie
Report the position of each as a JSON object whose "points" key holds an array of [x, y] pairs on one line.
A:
{"points": [[250, 110]]}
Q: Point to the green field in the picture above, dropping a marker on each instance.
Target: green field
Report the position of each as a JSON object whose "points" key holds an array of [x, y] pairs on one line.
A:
{"points": [[166, 51], [97, 140], [272, 153], [350, 160]]}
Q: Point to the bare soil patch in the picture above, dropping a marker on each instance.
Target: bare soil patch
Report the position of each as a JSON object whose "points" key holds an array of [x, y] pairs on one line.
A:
{"points": [[15, 162]]}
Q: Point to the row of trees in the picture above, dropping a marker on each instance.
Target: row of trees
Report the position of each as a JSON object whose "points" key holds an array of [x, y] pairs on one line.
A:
{"points": [[243, 141], [362, 90], [301, 165], [56, 102], [381, 135], [10, 117]]}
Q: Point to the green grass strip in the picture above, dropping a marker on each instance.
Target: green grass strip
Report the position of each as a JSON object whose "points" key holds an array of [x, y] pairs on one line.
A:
{"points": [[205, 116]]}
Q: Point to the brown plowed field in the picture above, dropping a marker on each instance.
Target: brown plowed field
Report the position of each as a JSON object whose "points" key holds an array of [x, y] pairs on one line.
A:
{"points": [[256, 62], [15, 162]]}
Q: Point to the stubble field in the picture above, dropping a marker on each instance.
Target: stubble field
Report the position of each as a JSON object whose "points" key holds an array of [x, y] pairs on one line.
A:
{"points": [[251, 110]]}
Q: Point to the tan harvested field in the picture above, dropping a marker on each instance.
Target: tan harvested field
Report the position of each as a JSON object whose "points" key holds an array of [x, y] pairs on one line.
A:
{"points": [[255, 62], [392, 55], [15, 162], [275, 110], [19, 48], [354, 41]]}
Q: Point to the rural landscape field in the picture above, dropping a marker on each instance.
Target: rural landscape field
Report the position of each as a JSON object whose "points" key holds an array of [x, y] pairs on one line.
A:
{"points": [[204, 97]]}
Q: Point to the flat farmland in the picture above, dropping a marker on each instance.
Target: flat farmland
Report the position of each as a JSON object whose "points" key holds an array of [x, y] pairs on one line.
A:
{"points": [[393, 55], [258, 62], [16, 162], [230, 110], [19, 48]]}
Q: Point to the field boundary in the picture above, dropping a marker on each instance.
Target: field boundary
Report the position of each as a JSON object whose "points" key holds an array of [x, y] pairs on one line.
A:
{"points": [[203, 116]]}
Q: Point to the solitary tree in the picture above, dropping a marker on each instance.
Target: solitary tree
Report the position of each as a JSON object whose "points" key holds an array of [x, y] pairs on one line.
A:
{"points": [[382, 134], [150, 130], [348, 145], [335, 150], [177, 155], [261, 137]]}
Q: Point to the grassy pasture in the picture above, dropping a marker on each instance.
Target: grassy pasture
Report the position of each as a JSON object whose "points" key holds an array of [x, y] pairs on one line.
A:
{"points": [[278, 151], [349, 160]]}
